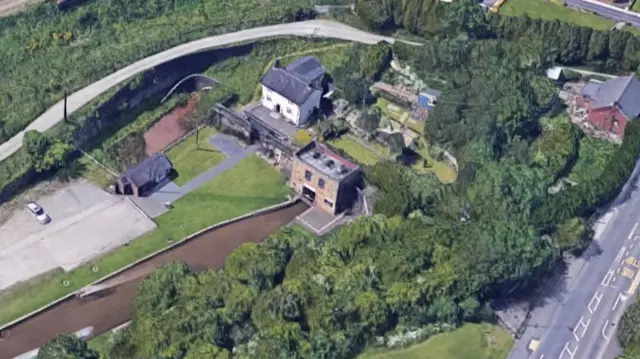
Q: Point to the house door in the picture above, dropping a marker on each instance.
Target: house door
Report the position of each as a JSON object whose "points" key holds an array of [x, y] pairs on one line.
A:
{"points": [[278, 108], [309, 194]]}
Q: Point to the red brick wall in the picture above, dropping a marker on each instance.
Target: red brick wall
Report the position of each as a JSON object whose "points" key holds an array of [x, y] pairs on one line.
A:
{"points": [[608, 119]]}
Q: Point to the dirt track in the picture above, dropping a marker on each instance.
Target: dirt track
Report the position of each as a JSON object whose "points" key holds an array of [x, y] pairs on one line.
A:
{"points": [[204, 252], [8, 7]]}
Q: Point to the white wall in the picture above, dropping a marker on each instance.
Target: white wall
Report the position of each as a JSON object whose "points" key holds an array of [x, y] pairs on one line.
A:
{"points": [[288, 109]]}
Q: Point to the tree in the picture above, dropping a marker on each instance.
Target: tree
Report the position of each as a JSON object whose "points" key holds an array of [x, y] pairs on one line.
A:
{"points": [[369, 121], [466, 16], [375, 60], [44, 153], [207, 351], [396, 142], [67, 347]]}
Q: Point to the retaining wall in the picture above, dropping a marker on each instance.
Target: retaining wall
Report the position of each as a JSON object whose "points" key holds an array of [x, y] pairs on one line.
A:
{"points": [[150, 256]]}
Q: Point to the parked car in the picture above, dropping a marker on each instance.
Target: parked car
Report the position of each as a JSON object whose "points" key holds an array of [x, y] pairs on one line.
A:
{"points": [[38, 212]]}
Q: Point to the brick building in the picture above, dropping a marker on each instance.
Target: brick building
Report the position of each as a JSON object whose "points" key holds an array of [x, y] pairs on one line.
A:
{"points": [[142, 179], [611, 105], [324, 178]]}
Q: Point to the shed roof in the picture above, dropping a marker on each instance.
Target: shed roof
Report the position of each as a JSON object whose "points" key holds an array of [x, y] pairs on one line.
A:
{"points": [[554, 73], [152, 169], [622, 92]]}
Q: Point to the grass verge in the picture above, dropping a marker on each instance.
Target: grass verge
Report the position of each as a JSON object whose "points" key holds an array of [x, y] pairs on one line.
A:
{"points": [[356, 150], [190, 159], [477, 341], [250, 185], [550, 11]]}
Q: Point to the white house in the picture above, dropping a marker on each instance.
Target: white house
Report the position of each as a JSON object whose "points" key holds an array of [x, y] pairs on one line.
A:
{"points": [[294, 91]]}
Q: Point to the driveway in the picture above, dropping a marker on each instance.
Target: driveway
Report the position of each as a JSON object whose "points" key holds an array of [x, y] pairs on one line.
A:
{"points": [[154, 205], [85, 222]]}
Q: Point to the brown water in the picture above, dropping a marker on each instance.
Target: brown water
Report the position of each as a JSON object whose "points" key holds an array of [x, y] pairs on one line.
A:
{"points": [[169, 128], [206, 251]]}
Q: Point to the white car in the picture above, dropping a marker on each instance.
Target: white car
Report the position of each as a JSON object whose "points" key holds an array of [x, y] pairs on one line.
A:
{"points": [[38, 212]]}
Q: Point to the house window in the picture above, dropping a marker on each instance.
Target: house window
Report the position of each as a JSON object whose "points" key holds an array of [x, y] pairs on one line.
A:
{"points": [[328, 203], [288, 109], [321, 183], [307, 175]]}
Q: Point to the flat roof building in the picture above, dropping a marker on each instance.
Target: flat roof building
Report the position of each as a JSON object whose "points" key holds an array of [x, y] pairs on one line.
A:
{"points": [[324, 178]]}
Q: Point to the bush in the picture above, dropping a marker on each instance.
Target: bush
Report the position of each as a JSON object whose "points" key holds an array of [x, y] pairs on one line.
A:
{"points": [[583, 199]]}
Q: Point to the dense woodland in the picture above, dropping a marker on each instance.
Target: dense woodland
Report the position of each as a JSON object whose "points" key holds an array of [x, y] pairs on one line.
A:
{"points": [[414, 266]]}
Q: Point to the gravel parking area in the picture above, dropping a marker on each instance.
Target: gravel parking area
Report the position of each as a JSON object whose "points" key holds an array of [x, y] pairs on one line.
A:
{"points": [[85, 222]]}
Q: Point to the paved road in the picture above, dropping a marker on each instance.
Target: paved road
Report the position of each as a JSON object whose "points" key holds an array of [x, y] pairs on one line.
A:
{"points": [[580, 321], [311, 28], [606, 10], [589, 73]]}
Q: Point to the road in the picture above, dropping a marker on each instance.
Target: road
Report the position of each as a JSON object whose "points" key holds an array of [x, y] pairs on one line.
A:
{"points": [[606, 10], [580, 321], [311, 28], [589, 73], [8, 7]]}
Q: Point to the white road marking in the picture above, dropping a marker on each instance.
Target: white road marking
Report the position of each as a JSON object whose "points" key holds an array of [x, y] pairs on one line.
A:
{"points": [[613, 280], [595, 301], [607, 278], [635, 238], [581, 324], [567, 350], [619, 256], [620, 298], [604, 327], [633, 230]]}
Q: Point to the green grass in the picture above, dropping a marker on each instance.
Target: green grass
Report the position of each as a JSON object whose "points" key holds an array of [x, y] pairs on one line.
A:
{"points": [[471, 341], [357, 151], [190, 159], [399, 115], [100, 343], [103, 37], [636, 6], [551, 11], [250, 185]]}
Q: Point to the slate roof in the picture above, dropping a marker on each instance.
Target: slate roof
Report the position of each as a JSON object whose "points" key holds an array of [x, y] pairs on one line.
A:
{"points": [[308, 68], [152, 169], [622, 92], [591, 89], [295, 81]]}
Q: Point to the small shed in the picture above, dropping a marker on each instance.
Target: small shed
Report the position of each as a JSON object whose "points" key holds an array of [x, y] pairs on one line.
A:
{"points": [[556, 74], [140, 180], [428, 97]]}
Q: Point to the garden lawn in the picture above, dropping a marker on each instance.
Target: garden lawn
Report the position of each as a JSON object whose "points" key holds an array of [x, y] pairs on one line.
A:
{"points": [[250, 185], [636, 6], [551, 11], [399, 115], [477, 341], [190, 159], [357, 151]]}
